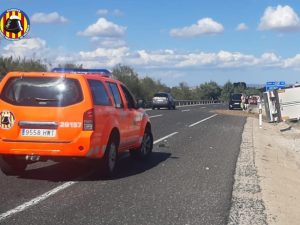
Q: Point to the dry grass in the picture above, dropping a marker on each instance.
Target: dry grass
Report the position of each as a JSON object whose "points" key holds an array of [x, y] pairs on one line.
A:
{"points": [[235, 113]]}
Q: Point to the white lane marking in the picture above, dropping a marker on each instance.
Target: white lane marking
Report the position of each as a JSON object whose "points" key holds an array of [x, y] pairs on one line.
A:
{"points": [[203, 107], [203, 120], [36, 200], [155, 116], [165, 137], [185, 110]]}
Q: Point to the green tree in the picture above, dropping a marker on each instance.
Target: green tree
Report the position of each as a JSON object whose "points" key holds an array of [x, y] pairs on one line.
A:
{"points": [[253, 91], [209, 90], [70, 66], [240, 87], [130, 78], [176, 92], [226, 91], [186, 93], [9, 64], [150, 90]]}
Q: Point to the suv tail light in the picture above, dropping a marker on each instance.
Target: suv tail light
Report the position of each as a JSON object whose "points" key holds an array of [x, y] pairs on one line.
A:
{"points": [[88, 120]]}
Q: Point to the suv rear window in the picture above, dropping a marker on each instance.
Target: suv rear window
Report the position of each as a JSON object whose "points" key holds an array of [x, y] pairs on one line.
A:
{"points": [[236, 97], [100, 96], [42, 91]]}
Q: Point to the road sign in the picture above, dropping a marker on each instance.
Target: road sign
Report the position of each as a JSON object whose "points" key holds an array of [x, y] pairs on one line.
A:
{"points": [[271, 85]]}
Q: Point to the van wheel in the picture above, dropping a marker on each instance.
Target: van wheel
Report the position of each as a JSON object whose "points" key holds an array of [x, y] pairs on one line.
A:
{"points": [[145, 149], [10, 165], [110, 159]]}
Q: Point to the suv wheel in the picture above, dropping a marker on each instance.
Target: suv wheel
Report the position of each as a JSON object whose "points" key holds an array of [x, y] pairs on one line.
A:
{"points": [[11, 165], [145, 149], [110, 159]]}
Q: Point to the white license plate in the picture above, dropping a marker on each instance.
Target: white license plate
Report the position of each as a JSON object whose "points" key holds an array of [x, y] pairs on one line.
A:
{"points": [[38, 133], [236, 103]]}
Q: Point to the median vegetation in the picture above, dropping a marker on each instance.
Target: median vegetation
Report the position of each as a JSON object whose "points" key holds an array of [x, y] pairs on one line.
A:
{"points": [[142, 87]]}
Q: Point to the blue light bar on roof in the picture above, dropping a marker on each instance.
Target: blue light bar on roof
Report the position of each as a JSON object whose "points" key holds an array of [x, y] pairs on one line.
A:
{"points": [[104, 72]]}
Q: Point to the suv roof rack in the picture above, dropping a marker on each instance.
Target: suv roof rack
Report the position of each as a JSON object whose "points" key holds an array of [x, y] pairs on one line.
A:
{"points": [[103, 72]]}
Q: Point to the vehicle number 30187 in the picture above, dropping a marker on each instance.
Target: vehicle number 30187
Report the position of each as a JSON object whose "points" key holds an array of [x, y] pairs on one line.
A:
{"points": [[70, 124]]}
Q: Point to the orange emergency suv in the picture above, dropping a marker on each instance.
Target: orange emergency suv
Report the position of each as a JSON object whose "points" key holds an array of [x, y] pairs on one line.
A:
{"points": [[69, 113]]}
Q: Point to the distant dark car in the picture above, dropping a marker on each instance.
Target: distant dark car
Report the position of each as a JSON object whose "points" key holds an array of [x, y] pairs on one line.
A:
{"points": [[163, 100], [235, 101]]}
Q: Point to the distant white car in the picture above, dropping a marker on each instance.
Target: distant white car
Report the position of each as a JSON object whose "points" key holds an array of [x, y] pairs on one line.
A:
{"points": [[163, 100]]}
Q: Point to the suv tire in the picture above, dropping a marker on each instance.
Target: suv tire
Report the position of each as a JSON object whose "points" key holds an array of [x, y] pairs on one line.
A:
{"points": [[144, 151], [12, 166], [109, 163]]}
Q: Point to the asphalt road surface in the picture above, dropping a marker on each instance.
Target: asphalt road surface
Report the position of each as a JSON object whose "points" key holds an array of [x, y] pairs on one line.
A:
{"points": [[187, 180]]}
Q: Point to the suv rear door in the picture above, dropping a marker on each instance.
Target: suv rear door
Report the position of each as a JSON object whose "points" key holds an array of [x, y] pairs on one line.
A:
{"points": [[102, 106], [121, 114]]}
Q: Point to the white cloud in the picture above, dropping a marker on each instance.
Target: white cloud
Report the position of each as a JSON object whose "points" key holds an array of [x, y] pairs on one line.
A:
{"points": [[170, 59], [107, 57], [26, 48], [102, 12], [108, 42], [106, 12], [105, 52], [117, 12], [293, 62], [241, 27], [280, 18], [178, 61], [195, 59], [103, 28], [154, 59], [161, 60], [53, 17], [270, 58], [205, 26]]}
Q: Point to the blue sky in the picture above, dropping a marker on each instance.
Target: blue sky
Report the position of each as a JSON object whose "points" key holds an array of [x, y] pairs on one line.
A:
{"points": [[192, 41]]}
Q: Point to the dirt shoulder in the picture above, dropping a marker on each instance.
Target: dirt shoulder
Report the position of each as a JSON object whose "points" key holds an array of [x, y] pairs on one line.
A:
{"points": [[278, 163], [267, 177]]}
